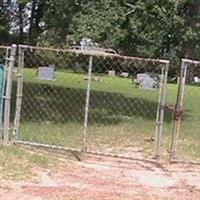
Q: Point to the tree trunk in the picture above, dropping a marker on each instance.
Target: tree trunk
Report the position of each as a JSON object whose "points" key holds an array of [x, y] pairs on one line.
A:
{"points": [[32, 24], [21, 31]]}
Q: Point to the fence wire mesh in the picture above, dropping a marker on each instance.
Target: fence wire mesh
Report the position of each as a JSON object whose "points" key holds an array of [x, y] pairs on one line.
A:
{"points": [[123, 105], [4, 53], [53, 97], [90, 100], [186, 141]]}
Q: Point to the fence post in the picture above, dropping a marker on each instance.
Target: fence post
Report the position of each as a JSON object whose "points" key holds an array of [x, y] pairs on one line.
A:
{"points": [[158, 117], [3, 88], [19, 91], [178, 112], [161, 110], [87, 102], [7, 97]]}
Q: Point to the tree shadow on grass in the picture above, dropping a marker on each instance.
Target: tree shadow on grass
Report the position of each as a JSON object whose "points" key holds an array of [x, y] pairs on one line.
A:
{"points": [[42, 102]]}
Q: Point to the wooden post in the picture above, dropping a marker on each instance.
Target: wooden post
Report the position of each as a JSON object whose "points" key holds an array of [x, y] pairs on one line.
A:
{"points": [[7, 97]]}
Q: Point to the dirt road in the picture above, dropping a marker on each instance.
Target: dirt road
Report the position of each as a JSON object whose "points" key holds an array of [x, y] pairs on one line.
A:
{"points": [[107, 179]]}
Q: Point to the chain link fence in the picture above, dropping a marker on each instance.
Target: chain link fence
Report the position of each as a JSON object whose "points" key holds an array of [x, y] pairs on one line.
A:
{"points": [[98, 102], [185, 143], [90, 100], [4, 55]]}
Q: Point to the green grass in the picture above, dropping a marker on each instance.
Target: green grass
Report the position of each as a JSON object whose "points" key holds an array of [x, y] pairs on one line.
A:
{"points": [[121, 116], [17, 163], [69, 79]]}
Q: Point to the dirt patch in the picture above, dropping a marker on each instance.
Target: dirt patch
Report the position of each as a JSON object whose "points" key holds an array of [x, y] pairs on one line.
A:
{"points": [[108, 179]]}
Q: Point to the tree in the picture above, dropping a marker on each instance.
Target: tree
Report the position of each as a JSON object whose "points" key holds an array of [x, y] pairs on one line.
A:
{"points": [[4, 22], [154, 28], [57, 19], [102, 21], [190, 13], [36, 18]]}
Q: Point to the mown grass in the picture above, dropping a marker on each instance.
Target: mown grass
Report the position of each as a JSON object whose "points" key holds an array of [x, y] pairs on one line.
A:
{"points": [[121, 116]]}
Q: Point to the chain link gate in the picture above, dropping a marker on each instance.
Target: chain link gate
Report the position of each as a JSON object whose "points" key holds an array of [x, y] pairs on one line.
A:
{"points": [[95, 102], [7, 59], [4, 54], [122, 112], [50, 110], [90, 101], [186, 135]]}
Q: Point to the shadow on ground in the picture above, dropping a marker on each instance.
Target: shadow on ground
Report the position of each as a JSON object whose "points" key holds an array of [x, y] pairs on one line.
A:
{"points": [[42, 102]]}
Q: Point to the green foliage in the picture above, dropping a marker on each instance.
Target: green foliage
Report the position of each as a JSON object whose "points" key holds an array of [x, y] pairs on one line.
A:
{"points": [[4, 23], [102, 21], [154, 28], [57, 17]]}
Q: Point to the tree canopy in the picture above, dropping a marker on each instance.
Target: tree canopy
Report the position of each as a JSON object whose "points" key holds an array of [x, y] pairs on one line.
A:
{"points": [[154, 28]]}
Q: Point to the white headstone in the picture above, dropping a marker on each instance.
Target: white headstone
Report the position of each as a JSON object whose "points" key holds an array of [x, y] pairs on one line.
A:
{"points": [[124, 74], [196, 79], [148, 80], [86, 44], [111, 72], [46, 73]]}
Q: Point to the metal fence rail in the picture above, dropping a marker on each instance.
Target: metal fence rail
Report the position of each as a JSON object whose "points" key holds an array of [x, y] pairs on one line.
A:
{"points": [[4, 63], [185, 138], [89, 100]]}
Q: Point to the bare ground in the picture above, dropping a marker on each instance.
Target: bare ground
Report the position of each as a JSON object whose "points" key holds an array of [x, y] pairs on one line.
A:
{"points": [[106, 179]]}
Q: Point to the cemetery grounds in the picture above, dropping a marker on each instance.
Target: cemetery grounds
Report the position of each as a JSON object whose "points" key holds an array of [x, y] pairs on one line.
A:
{"points": [[38, 174], [112, 130]]}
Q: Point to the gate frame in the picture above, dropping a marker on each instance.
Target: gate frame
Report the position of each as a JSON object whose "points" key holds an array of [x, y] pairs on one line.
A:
{"points": [[7, 48], [162, 97], [178, 109], [8, 91]]}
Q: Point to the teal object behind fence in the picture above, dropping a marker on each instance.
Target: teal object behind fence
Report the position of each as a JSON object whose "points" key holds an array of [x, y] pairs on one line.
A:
{"points": [[1, 96]]}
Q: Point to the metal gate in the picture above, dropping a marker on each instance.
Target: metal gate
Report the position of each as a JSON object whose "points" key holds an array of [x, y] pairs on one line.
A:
{"points": [[90, 101], [7, 59], [185, 143]]}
